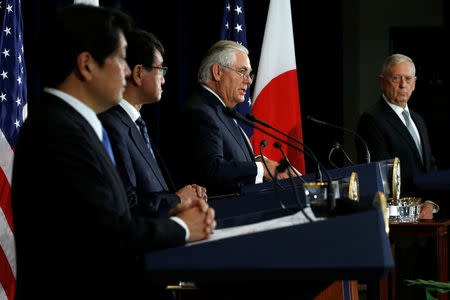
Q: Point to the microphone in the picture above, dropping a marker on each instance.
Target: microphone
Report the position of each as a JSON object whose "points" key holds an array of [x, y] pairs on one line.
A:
{"points": [[278, 146], [261, 146], [311, 153], [330, 190], [322, 123], [235, 115], [335, 147]]}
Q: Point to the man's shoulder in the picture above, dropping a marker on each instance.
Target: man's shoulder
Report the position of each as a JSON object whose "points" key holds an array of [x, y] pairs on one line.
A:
{"points": [[377, 112], [53, 115], [114, 117]]}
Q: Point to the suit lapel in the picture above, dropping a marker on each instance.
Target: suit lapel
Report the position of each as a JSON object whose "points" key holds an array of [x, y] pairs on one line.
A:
{"points": [[110, 170], [403, 132], [140, 144], [235, 131], [426, 151]]}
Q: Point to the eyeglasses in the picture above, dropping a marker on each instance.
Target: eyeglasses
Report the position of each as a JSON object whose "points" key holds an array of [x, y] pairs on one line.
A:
{"points": [[161, 70], [398, 78], [243, 73]]}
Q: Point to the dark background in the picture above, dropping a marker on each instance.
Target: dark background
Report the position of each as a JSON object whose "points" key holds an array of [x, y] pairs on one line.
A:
{"points": [[331, 54]]}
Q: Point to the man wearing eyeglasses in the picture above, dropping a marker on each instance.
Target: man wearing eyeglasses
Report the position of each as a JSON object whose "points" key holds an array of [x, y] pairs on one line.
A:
{"points": [[391, 129], [219, 154], [149, 187]]}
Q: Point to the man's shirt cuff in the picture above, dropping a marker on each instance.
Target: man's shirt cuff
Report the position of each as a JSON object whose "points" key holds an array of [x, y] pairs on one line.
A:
{"points": [[182, 224], [436, 207], [259, 172]]}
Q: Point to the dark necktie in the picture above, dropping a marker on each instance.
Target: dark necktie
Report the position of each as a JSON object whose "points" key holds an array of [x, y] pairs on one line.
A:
{"points": [[246, 141], [409, 125], [143, 128], [107, 144]]}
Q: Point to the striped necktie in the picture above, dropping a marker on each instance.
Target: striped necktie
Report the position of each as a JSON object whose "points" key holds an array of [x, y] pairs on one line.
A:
{"points": [[143, 128]]}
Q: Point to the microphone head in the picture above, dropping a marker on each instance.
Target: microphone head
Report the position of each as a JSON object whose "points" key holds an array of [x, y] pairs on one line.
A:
{"points": [[263, 143], [277, 145], [229, 111], [283, 165], [250, 117], [309, 118]]}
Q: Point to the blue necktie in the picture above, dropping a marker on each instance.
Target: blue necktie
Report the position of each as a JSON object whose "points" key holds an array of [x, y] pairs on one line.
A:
{"points": [[143, 128], [107, 144]]}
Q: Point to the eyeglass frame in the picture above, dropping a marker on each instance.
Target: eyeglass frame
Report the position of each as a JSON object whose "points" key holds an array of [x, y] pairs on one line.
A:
{"points": [[162, 70], [244, 76], [398, 78]]}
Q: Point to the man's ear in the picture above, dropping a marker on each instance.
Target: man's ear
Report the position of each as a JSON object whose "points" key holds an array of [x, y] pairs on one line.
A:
{"points": [[136, 75], [86, 64], [217, 72]]}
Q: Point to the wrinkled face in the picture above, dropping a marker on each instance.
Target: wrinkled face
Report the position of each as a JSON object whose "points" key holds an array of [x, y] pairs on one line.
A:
{"points": [[153, 79], [109, 79], [232, 85], [399, 83]]}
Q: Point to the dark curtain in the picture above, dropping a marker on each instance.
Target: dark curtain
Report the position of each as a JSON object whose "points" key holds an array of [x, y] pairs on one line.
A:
{"points": [[187, 28]]}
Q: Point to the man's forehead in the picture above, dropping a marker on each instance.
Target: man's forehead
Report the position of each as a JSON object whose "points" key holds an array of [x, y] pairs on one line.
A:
{"points": [[242, 61]]}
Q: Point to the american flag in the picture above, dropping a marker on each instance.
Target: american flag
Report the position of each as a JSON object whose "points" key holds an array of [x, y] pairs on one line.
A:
{"points": [[13, 110], [233, 28]]}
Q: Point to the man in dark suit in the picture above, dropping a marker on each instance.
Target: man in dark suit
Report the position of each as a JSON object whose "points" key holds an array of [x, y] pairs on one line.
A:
{"points": [[391, 129], [139, 164], [75, 235], [218, 153]]}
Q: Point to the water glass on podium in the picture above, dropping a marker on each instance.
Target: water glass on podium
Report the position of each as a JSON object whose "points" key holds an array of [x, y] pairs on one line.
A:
{"points": [[316, 198]]}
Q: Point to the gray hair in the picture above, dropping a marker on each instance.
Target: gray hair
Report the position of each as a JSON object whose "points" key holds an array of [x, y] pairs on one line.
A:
{"points": [[223, 53], [395, 59]]}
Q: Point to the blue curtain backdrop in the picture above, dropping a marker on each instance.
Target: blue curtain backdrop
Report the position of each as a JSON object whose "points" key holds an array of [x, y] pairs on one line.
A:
{"points": [[187, 28]]}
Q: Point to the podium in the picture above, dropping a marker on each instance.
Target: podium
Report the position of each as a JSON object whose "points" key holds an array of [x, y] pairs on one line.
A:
{"points": [[351, 247], [373, 177]]}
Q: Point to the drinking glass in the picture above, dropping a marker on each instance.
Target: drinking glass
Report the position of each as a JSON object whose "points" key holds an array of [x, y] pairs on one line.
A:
{"points": [[316, 198]]}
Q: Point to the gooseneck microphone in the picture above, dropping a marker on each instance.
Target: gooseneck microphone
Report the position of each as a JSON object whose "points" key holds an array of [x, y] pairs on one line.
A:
{"points": [[323, 123], [311, 153], [336, 147], [330, 190], [263, 159], [278, 146]]}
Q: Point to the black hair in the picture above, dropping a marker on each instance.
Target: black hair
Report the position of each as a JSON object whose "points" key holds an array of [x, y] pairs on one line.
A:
{"points": [[73, 30], [141, 48]]}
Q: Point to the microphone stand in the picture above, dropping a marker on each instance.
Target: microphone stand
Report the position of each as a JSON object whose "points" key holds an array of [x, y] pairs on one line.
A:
{"points": [[338, 146], [344, 129], [261, 146], [278, 146], [284, 164], [311, 153], [330, 190]]}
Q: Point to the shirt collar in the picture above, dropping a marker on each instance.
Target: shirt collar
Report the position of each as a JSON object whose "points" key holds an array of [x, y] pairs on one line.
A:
{"points": [[214, 93], [130, 109], [85, 111], [398, 110]]}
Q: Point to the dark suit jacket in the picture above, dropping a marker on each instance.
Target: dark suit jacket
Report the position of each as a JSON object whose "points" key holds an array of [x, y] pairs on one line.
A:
{"points": [[217, 155], [387, 137], [145, 185], [75, 235]]}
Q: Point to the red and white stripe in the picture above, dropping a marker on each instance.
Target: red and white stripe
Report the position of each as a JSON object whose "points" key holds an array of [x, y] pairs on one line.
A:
{"points": [[7, 246], [277, 101]]}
